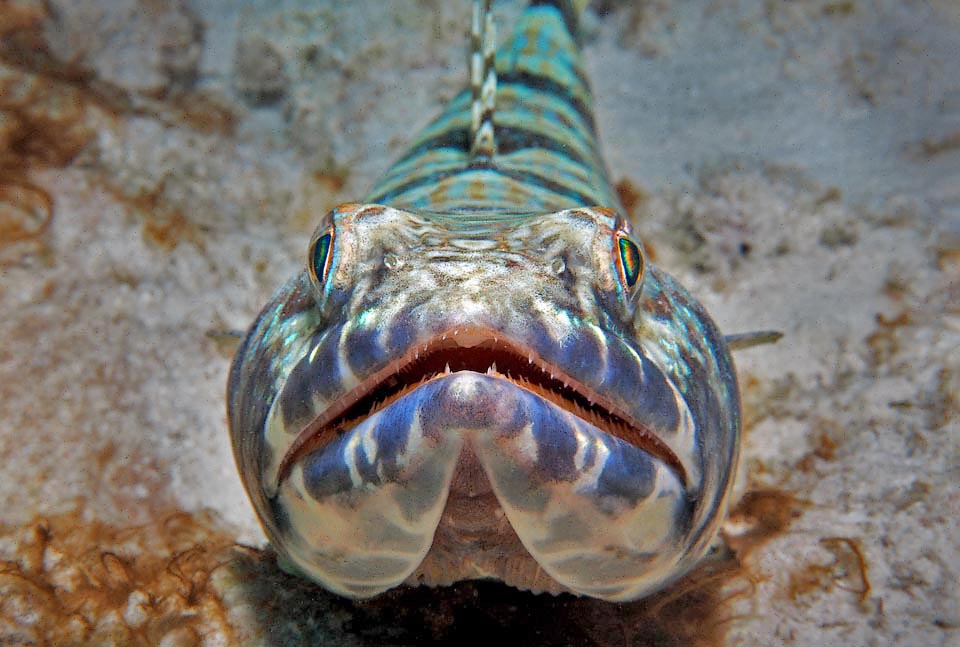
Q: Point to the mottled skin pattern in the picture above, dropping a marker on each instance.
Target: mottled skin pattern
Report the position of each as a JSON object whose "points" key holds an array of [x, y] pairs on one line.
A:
{"points": [[471, 382]]}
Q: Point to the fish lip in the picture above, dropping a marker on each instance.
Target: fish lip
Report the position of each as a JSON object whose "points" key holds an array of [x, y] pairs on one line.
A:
{"points": [[539, 377]]}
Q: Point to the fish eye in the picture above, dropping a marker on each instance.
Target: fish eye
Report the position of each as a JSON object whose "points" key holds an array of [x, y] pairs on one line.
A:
{"points": [[629, 260], [320, 255]]}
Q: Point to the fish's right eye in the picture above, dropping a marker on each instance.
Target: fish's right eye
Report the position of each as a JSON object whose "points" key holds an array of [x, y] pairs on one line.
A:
{"points": [[320, 256]]}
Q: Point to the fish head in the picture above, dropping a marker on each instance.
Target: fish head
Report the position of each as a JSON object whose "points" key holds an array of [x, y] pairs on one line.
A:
{"points": [[449, 395]]}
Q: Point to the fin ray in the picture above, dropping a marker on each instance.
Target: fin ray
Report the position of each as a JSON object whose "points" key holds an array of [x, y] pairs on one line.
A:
{"points": [[483, 82], [743, 340]]}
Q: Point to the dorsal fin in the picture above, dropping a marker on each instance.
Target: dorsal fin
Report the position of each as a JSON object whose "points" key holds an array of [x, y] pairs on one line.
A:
{"points": [[483, 82]]}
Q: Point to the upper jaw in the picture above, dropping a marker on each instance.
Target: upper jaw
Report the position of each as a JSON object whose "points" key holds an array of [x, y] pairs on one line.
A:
{"points": [[483, 350]]}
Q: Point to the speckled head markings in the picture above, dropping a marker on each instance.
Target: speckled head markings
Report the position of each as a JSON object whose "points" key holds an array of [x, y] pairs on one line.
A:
{"points": [[477, 375]]}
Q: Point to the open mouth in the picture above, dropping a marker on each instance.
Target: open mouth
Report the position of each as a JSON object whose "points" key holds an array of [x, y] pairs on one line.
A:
{"points": [[482, 351]]}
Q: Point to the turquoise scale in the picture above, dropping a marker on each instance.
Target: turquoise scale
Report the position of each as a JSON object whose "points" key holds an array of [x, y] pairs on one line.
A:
{"points": [[551, 159]]}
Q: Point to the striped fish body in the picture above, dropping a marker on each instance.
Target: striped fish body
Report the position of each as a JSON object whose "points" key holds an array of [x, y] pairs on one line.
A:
{"points": [[476, 375]]}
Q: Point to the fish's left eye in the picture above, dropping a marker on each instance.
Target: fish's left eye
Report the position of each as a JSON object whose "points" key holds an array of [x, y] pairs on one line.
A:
{"points": [[629, 260], [320, 255]]}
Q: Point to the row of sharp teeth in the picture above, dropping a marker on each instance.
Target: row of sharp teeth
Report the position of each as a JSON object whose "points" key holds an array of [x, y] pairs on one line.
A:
{"points": [[492, 370]]}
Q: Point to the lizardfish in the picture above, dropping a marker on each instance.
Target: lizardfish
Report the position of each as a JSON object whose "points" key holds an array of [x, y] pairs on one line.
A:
{"points": [[478, 374]]}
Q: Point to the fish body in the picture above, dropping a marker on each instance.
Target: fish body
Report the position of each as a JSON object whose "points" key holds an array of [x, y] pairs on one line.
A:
{"points": [[477, 375]]}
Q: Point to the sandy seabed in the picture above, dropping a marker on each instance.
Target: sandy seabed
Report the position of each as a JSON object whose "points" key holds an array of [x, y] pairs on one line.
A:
{"points": [[162, 164]]}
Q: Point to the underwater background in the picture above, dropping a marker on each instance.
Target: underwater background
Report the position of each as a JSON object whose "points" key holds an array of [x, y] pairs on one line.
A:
{"points": [[162, 165]]}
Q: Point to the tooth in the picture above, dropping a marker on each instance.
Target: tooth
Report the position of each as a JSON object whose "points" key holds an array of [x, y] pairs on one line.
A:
{"points": [[447, 369], [455, 331], [493, 368], [530, 359]]}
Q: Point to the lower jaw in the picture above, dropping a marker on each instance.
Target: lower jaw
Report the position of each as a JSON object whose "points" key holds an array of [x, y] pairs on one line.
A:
{"points": [[612, 537], [474, 539]]}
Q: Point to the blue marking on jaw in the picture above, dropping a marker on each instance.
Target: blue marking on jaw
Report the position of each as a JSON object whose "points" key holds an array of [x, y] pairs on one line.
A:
{"points": [[626, 377], [326, 376], [556, 445], [363, 350], [296, 402], [325, 471], [641, 387], [580, 354], [627, 474], [590, 455], [621, 375], [367, 466], [392, 434], [321, 377], [400, 336], [305, 379], [539, 338], [660, 402]]}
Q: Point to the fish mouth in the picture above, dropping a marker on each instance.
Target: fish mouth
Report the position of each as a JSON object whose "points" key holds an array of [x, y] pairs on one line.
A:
{"points": [[478, 350]]}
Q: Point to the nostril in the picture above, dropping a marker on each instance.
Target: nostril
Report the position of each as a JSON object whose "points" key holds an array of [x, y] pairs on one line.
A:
{"points": [[392, 261]]}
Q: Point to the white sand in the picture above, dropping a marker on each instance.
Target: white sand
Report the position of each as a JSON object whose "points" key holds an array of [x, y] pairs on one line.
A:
{"points": [[800, 167]]}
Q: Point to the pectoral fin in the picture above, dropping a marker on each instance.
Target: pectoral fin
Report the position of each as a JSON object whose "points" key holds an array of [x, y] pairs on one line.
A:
{"points": [[753, 338]]}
